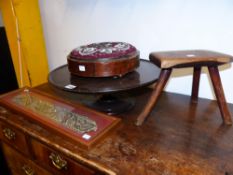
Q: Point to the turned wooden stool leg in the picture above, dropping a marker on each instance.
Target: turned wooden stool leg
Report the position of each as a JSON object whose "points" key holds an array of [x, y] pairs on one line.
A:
{"points": [[219, 93], [163, 78], [196, 80]]}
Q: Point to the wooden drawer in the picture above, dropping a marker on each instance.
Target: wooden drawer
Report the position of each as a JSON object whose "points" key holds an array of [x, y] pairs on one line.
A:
{"points": [[57, 162], [14, 137], [19, 165]]}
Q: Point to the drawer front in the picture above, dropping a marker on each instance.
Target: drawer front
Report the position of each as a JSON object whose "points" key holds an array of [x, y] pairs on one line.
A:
{"points": [[20, 165], [57, 162], [14, 137]]}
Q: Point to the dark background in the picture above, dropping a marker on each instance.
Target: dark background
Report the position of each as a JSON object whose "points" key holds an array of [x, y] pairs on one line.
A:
{"points": [[8, 82]]}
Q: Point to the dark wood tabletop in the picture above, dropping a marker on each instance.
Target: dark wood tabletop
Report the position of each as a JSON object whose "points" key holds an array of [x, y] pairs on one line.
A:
{"points": [[179, 138], [147, 73]]}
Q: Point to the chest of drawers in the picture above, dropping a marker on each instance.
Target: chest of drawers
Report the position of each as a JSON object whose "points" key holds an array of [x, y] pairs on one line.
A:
{"points": [[27, 153], [177, 139], [31, 148]]}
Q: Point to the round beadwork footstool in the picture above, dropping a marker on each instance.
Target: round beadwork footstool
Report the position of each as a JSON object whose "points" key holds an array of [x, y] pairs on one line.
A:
{"points": [[105, 59], [190, 58]]}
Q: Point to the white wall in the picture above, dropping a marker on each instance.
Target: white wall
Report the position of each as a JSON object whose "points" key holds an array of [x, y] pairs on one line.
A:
{"points": [[150, 25]]}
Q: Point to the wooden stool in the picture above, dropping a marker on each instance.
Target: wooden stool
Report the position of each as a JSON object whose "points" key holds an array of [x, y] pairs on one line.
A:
{"points": [[190, 58]]}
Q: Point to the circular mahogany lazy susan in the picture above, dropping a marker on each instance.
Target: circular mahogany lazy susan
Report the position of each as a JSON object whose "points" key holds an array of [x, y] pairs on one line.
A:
{"points": [[105, 59]]}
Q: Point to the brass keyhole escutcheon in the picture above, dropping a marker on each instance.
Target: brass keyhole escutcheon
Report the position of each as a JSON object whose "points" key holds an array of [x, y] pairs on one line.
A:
{"points": [[9, 134], [28, 170]]}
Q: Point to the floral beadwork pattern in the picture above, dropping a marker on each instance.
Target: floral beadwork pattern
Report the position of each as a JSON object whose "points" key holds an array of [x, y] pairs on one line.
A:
{"points": [[61, 115], [103, 50]]}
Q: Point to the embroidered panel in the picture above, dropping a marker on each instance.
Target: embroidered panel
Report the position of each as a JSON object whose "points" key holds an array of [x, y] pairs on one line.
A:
{"points": [[67, 118], [79, 123], [103, 50]]}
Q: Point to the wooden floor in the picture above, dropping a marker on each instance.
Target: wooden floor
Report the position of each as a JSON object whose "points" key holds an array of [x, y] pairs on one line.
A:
{"points": [[178, 138]]}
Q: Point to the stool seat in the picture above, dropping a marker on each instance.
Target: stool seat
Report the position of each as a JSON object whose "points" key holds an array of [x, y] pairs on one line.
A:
{"points": [[188, 58]]}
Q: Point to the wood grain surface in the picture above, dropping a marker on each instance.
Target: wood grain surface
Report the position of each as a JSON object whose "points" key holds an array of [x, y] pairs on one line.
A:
{"points": [[179, 138], [189, 58]]}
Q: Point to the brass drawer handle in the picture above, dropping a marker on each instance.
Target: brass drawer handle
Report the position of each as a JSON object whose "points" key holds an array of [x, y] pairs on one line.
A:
{"points": [[2, 110], [9, 134], [58, 161], [28, 170]]}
